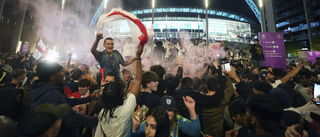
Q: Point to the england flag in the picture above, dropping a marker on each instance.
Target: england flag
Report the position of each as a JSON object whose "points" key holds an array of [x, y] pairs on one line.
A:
{"points": [[41, 50]]}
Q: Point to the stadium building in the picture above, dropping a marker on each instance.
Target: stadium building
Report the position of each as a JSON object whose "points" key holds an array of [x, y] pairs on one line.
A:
{"points": [[236, 21], [171, 19]]}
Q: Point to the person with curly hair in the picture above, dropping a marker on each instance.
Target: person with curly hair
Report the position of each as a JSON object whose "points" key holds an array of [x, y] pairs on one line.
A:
{"points": [[115, 116]]}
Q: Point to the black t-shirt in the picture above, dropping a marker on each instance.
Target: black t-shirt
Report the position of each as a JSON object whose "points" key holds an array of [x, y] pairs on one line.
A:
{"points": [[178, 96], [148, 99], [162, 86]]}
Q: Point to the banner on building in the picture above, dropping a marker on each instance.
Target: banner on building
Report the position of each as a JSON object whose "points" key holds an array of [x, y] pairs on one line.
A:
{"points": [[25, 48], [313, 56], [274, 51]]}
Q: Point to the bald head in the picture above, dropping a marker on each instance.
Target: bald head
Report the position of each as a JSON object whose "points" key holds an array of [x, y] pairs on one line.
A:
{"points": [[7, 127]]}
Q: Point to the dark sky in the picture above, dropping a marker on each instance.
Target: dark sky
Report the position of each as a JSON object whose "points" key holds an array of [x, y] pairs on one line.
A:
{"points": [[236, 6]]}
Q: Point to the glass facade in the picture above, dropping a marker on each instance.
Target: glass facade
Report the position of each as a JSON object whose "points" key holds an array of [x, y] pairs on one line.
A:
{"points": [[178, 25], [218, 28], [228, 29]]}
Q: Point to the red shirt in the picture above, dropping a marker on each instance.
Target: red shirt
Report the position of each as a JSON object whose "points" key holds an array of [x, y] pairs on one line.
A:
{"points": [[78, 95], [68, 92]]}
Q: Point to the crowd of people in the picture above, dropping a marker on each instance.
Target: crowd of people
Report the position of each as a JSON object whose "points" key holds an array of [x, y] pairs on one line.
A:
{"points": [[122, 98]]}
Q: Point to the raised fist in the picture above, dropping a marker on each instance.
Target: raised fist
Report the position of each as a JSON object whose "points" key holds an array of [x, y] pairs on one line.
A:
{"points": [[99, 36]]}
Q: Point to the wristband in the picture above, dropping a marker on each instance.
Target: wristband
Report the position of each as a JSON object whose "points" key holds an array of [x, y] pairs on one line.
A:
{"points": [[138, 58]]}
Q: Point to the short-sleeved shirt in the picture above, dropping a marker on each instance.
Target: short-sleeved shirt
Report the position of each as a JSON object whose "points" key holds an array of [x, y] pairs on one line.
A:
{"points": [[276, 83], [121, 124], [110, 63]]}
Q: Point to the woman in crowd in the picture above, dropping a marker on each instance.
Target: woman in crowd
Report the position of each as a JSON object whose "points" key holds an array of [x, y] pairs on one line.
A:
{"points": [[157, 123], [178, 124]]}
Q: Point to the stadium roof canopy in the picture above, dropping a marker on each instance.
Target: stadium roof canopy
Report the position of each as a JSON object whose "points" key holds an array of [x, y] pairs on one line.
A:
{"points": [[223, 8], [211, 12]]}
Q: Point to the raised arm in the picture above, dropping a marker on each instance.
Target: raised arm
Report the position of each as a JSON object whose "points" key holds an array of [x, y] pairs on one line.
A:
{"points": [[94, 46], [138, 77], [136, 131], [192, 127], [69, 61], [128, 62], [190, 104], [228, 92], [242, 88], [293, 72], [204, 71], [173, 84]]}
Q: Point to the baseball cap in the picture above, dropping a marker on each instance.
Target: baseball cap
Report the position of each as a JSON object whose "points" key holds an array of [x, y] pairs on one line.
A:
{"points": [[263, 74], [168, 102], [42, 118]]}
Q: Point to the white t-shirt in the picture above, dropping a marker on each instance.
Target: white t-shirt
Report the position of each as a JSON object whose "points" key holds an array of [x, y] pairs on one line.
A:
{"points": [[309, 107], [276, 83], [119, 126], [303, 91]]}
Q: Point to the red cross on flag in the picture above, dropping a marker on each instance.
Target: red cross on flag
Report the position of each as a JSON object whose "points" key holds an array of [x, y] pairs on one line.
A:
{"points": [[41, 50], [139, 34]]}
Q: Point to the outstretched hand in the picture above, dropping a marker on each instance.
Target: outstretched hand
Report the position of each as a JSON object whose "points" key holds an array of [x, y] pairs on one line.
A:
{"points": [[301, 62], [232, 73]]}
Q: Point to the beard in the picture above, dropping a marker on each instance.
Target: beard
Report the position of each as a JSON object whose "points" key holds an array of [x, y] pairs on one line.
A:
{"points": [[272, 80]]}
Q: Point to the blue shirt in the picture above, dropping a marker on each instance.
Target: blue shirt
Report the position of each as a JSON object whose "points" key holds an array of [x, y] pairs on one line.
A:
{"points": [[191, 128]]}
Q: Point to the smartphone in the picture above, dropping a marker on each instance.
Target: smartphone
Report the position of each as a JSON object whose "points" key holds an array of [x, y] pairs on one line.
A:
{"points": [[316, 93], [143, 110], [227, 66]]}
